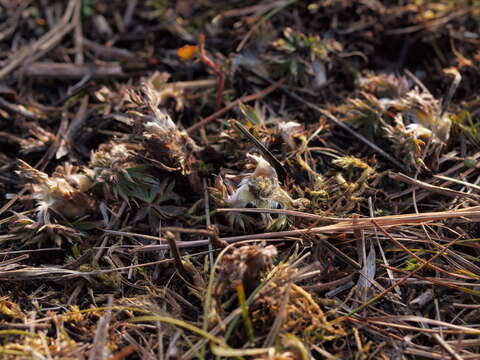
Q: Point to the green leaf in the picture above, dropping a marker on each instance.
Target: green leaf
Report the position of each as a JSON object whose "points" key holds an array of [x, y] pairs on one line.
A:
{"points": [[250, 113]]}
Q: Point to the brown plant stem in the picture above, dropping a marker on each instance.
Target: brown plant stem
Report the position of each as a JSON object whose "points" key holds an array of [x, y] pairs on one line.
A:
{"points": [[243, 99], [177, 258], [217, 69]]}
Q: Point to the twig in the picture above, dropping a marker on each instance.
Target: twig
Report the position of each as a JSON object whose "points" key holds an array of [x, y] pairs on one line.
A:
{"points": [[177, 229], [110, 53], [177, 259], [415, 256], [99, 348], [341, 254], [67, 71], [208, 222], [244, 99], [45, 43], [14, 260], [329, 285], [384, 258], [454, 329], [464, 183], [17, 109], [123, 353], [436, 189], [194, 84], [430, 25], [78, 35], [9, 26], [73, 90], [393, 286], [127, 18], [457, 78], [344, 226], [452, 170], [29, 251], [281, 211], [447, 347]]}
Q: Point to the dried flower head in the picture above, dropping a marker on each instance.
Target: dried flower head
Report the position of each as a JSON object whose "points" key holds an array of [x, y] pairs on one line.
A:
{"points": [[423, 109], [406, 141], [109, 161], [114, 167], [365, 112], [173, 148], [262, 188], [408, 121], [245, 264], [64, 192], [419, 120], [28, 231], [384, 85]]}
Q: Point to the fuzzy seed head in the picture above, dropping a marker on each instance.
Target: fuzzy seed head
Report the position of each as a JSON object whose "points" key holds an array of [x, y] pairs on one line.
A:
{"points": [[58, 192]]}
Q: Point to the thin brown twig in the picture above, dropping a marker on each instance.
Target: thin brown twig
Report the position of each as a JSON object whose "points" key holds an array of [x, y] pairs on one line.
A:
{"points": [[456, 181], [243, 99], [217, 69], [430, 25], [452, 170], [330, 284], [177, 258], [393, 286], [412, 254], [455, 329], [447, 347], [69, 71], [281, 211], [123, 353], [17, 109], [433, 188], [341, 254], [78, 35], [450, 283], [344, 226], [14, 260]]}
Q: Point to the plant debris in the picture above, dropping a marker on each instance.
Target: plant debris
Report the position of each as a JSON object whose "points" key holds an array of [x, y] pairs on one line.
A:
{"points": [[245, 179]]}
